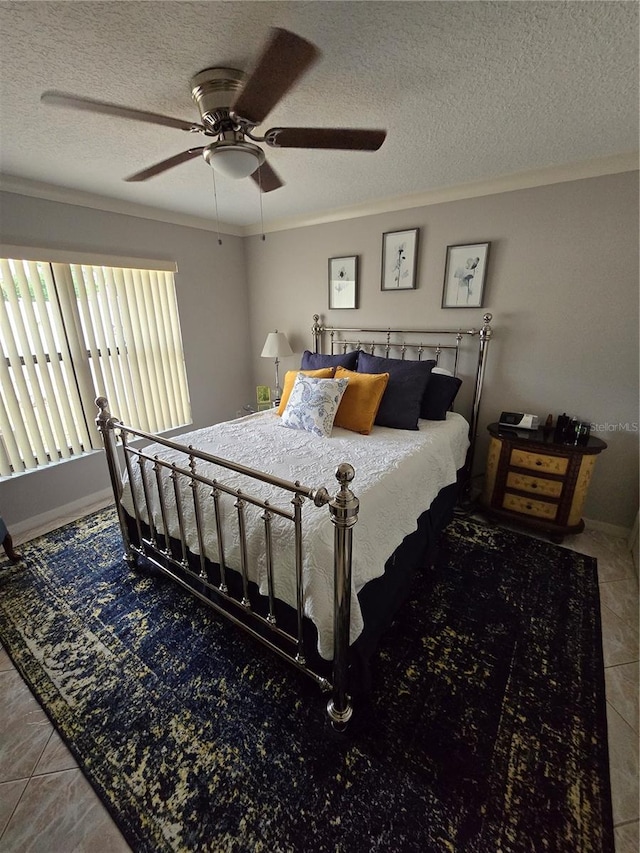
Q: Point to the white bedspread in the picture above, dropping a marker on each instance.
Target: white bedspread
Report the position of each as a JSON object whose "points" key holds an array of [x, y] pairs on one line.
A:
{"points": [[398, 474]]}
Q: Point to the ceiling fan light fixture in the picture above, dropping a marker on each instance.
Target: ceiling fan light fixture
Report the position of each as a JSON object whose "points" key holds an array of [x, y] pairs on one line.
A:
{"points": [[234, 160]]}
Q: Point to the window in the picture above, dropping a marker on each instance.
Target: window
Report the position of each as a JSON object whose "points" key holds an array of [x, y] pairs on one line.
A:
{"points": [[72, 332]]}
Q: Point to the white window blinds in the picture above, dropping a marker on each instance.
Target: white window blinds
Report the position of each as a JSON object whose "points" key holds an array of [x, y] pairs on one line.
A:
{"points": [[72, 332]]}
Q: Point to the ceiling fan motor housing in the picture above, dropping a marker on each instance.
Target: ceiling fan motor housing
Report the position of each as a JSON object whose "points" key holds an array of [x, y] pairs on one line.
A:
{"points": [[214, 90]]}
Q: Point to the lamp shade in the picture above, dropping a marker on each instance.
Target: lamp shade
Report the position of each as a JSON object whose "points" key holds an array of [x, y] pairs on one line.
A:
{"points": [[276, 346]]}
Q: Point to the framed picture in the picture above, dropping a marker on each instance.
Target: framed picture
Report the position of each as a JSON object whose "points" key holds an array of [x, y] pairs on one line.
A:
{"points": [[263, 397], [343, 282], [400, 259], [464, 275]]}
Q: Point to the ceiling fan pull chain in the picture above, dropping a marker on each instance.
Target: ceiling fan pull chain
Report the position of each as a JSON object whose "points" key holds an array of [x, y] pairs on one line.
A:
{"points": [[215, 199], [263, 238]]}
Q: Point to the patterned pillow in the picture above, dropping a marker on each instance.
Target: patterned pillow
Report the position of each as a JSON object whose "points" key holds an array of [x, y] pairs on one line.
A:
{"points": [[290, 378], [313, 404]]}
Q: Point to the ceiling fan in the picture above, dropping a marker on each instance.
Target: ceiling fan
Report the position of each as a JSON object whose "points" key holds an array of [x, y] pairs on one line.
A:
{"points": [[231, 105]]}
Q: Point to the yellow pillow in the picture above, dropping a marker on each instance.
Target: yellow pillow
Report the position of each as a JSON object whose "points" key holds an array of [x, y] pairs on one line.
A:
{"points": [[359, 405], [290, 378]]}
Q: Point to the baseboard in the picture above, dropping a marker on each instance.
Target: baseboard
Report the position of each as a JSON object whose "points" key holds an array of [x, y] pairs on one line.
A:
{"points": [[40, 524], [616, 530]]}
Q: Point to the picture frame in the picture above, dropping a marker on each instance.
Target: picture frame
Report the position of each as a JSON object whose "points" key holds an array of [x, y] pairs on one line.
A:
{"points": [[465, 273], [263, 397], [343, 282], [400, 259]]}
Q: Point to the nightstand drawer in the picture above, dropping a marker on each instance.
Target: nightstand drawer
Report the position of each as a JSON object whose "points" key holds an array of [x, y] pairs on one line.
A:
{"points": [[535, 485], [527, 506], [539, 462]]}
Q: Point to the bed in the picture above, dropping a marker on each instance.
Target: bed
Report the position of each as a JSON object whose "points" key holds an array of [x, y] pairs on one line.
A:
{"points": [[239, 513]]}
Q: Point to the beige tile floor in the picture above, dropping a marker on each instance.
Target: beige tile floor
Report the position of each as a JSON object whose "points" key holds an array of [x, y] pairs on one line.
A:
{"points": [[47, 806]]}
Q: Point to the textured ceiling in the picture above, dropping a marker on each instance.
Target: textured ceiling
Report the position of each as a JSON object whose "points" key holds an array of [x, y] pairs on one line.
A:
{"points": [[468, 91]]}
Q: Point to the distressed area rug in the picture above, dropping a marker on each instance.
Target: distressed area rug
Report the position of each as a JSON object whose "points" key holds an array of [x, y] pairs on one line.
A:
{"points": [[485, 733]]}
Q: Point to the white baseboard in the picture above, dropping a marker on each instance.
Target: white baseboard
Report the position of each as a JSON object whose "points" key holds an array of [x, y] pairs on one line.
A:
{"points": [[40, 524], [616, 530]]}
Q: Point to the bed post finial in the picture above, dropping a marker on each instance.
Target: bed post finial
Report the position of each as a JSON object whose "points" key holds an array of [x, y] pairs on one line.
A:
{"points": [[344, 514], [486, 331], [104, 416], [316, 331]]}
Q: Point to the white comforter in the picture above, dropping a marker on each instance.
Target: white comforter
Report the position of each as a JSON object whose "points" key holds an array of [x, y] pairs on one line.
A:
{"points": [[398, 474]]}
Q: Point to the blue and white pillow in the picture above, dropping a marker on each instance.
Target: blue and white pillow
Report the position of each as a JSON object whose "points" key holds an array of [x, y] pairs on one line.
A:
{"points": [[313, 404]]}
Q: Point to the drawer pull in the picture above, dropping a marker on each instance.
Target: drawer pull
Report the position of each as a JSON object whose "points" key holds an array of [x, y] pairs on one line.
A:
{"points": [[529, 506], [534, 485], [538, 462]]}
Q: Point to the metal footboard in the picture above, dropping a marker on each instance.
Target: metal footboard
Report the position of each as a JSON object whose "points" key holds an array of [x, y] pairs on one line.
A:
{"points": [[171, 556]]}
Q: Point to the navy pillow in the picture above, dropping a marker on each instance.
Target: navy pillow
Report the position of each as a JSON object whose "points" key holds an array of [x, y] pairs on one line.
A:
{"points": [[316, 360], [401, 401], [439, 396]]}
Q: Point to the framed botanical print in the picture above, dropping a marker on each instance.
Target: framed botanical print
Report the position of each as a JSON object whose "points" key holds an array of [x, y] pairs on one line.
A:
{"points": [[343, 282], [399, 259], [464, 275]]}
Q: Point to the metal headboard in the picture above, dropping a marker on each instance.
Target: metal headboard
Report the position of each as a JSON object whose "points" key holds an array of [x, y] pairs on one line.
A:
{"points": [[389, 341]]}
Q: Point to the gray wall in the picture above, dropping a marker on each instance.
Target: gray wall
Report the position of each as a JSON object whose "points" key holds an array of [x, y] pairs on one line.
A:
{"points": [[562, 285], [213, 307]]}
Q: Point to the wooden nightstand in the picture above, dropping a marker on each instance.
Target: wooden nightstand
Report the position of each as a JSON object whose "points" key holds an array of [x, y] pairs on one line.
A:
{"points": [[537, 482]]}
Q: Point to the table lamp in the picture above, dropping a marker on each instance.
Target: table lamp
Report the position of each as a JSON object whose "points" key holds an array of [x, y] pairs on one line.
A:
{"points": [[276, 346]]}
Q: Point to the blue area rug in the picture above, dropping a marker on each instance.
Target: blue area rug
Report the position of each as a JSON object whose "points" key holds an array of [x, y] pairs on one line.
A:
{"points": [[485, 732]]}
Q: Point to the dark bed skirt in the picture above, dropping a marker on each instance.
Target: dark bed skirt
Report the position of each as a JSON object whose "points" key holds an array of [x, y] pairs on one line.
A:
{"points": [[380, 599]]}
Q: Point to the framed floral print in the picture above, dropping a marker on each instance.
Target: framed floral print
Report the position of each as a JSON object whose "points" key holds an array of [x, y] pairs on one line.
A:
{"points": [[343, 282], [464, 275], [400, 259]]}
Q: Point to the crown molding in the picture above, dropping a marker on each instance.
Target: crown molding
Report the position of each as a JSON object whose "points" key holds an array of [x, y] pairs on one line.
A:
{"points": [[626, 162], [65, 195]]}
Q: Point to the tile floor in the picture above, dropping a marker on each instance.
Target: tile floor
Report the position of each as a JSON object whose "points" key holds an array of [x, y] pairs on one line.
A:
{"points": [[47, 806]]}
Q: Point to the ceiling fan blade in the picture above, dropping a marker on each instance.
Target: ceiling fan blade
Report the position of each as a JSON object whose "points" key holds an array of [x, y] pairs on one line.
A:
{"points": [[284, 59], [169, 163], [350, 139], [61, 99], [266, 178]]}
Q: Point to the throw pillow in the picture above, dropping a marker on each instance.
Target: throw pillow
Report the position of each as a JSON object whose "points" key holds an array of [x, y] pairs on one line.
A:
{"points": [[402, 399], [439, 395], [290, 378], [361, 400], [315, 360], [313, 404]]}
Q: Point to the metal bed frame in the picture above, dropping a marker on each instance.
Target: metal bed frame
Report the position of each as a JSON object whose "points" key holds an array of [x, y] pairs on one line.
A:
{"points": [[257, 614]]}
